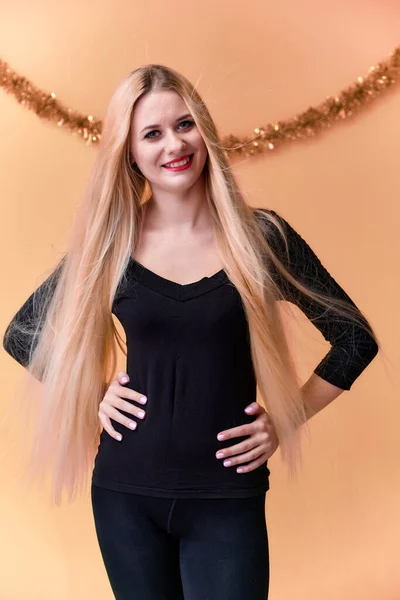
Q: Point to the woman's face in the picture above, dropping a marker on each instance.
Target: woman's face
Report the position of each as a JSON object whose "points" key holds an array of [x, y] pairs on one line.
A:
{"points": [[163, 131]]}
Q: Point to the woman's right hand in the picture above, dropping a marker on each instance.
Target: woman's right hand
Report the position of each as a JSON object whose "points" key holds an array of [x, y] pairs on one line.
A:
{"points": [[113, 399]]}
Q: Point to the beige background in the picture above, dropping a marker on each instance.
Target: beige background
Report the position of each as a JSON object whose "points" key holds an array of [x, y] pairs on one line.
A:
{"points": [[336, 533]]}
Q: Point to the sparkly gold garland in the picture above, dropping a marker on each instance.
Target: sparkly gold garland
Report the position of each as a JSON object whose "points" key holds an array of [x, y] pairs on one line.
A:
{"points": [[305, 125]]}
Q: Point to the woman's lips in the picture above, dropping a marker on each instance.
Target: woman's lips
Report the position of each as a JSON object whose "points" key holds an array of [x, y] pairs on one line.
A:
{"points": [[183, 167]]}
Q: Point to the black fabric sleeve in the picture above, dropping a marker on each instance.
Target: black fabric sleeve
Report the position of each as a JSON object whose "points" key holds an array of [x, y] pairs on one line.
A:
{"points": [[21, 334], [352, 348]]}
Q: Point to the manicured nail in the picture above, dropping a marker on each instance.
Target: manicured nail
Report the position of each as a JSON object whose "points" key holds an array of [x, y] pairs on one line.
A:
{"points": [[248, 409], [220, 436], [119, 437], [239, 470], [124, 379], [143, 399], [132, 425], [227, 463]]}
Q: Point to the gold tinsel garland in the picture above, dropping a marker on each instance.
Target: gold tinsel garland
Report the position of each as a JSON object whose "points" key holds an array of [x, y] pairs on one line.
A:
{"points": [[305, 125]]}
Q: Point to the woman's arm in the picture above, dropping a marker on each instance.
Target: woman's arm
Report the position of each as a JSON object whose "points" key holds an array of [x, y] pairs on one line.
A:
{"points": [[317, 394], [352, 348]]}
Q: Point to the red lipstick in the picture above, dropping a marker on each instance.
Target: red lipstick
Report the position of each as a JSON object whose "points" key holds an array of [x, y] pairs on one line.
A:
{"points": [[181, 168]]}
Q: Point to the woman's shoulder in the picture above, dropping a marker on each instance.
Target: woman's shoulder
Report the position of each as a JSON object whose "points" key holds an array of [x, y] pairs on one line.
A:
{"points": [[260, 211], [272, 224], [269, 218], [268, 214], [282, 237]]}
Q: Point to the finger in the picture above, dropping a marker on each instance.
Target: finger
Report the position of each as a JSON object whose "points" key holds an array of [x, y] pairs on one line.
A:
{"points": [[127, 407], [125, 392], [108, 427], [254, 453], [254, 464], [254, 408], [122, 377], [248, 444], [114, 414], [246, 429]]}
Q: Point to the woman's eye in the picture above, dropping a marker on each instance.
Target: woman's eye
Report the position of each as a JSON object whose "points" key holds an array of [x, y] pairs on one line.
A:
{"points": [[190, 123], [148, 134]]}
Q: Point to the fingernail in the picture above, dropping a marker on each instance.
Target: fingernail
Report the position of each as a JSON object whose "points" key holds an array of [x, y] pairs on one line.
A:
{"points": [[141, 414], [124, 379], [248, 409], [220, 436], [143, 399], [227, 463], [119, 436], [132, 425]]}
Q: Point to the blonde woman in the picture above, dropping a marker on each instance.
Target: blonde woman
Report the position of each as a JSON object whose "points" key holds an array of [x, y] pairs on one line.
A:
{"points": [[165, 242]]}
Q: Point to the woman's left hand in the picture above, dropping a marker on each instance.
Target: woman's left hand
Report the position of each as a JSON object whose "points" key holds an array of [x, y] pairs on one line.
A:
{"points": [[258, 448]]}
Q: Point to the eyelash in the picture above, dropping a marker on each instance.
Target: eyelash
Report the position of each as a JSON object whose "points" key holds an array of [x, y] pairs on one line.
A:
{"points": [[152, 137]]}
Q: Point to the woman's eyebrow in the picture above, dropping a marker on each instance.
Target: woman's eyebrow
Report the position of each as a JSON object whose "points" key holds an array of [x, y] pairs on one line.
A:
{"points": [[158, 125]]}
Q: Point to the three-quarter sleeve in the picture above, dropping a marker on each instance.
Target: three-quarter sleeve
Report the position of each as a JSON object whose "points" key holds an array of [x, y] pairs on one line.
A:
{"points": [[21, 335], [352, 348]]}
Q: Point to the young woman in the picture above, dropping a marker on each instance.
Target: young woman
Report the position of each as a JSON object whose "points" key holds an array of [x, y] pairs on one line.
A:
{"points": [[165, 242]]}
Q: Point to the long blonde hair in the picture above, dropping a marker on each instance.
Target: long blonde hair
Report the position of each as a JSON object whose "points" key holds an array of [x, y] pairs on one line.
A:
{"points": [[74, 353]]}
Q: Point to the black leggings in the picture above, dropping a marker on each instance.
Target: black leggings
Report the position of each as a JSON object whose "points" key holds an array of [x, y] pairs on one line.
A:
{"points": [[182, 548]]}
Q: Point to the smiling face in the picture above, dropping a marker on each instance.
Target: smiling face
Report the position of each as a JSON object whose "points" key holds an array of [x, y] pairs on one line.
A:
{"points": [[163, 131]]}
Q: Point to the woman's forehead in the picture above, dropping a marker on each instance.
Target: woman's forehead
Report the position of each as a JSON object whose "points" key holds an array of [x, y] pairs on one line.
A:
{"points": [[163, 104]]}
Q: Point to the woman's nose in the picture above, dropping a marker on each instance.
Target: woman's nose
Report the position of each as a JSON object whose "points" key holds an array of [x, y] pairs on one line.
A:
{"points": [[174, 143]]}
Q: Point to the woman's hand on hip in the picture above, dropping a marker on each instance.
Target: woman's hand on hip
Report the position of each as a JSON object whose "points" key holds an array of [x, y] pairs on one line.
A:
{"points": [[114, 399], [257, 448]]}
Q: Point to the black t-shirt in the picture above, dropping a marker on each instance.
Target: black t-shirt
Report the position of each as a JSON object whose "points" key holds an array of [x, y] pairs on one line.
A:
{"points": [[188, 351]]}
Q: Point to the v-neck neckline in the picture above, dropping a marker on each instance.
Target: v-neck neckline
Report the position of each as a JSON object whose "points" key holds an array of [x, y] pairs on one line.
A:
{"points": [[173, 289]]}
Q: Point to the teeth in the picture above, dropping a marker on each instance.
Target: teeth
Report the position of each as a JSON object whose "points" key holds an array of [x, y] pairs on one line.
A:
{"points": [[179, 164]]}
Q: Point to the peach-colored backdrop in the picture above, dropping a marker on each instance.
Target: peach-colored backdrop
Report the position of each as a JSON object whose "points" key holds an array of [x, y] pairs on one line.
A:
{"points": [[336, 534]]}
